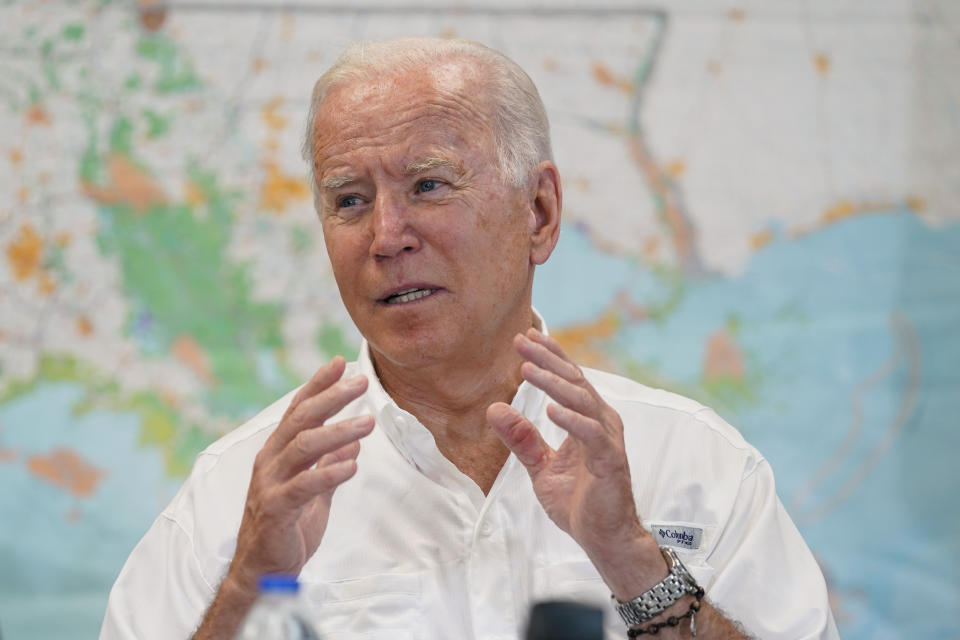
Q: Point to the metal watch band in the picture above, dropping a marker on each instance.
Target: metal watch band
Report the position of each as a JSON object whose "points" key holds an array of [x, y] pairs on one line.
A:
{"points": [[655, 600]]}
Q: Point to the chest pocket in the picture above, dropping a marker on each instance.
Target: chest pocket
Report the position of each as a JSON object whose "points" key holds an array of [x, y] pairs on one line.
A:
{"points": [[374, 607]]}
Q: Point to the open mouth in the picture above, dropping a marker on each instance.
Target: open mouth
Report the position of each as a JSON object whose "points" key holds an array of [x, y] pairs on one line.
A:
{"points": [[408, 295]]}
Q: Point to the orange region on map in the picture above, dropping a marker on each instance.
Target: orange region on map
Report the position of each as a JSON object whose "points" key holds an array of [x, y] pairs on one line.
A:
{"points": [[38, 115], [651, 247], [675, 168], [152, 14], [190, 353], [660, 182], [65, 469], [550, 64], [280, 189], [193, 194], [736, 14], [844, 209], [604, 76], [84, 326], [25, 253], [47, 284], [723, 359], [270, 117], [128, 184], [761, 239], [259, 64], [624, 303], [822, 63], [578, 339]]}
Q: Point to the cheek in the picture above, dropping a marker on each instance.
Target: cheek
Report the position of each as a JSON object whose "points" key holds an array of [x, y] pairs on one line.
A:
{"points": [[344, 253]]}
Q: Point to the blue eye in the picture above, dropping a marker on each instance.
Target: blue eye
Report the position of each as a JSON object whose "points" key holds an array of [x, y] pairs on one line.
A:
{"points": [[427, 185], [347, 201]]}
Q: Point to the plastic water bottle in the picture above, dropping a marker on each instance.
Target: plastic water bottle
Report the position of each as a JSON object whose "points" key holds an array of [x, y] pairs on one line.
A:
{"points": [[277, 614]]}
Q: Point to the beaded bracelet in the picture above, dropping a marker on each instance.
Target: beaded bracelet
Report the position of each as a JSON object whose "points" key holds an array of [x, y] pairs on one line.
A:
{"points": [[673, 621]]}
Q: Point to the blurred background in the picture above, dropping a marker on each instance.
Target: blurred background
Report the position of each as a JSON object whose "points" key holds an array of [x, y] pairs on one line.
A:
{"points": [[762, 210]]}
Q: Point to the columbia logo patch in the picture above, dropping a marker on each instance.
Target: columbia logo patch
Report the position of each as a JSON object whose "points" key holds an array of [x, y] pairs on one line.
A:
{"points": [[672, 535]]}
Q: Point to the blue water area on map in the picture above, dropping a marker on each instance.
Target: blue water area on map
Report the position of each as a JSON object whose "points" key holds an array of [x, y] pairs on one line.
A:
{"points": [[850, 336], [61, 552]]}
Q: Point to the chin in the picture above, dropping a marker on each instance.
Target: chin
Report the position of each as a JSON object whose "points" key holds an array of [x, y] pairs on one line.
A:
{"points": [[414, 347]]}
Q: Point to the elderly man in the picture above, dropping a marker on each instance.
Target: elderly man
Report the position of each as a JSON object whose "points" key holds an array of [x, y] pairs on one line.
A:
{"points": [[464, 467]]}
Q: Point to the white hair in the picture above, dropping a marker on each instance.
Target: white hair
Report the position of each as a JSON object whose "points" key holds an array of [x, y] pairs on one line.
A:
{"points": [[521, 132]]}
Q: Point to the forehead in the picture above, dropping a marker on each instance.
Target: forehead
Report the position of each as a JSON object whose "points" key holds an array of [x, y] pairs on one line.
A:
{"points": [[431, 106]]}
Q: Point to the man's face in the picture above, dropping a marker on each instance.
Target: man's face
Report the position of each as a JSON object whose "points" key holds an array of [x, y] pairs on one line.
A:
{"points": [[431, 251]]}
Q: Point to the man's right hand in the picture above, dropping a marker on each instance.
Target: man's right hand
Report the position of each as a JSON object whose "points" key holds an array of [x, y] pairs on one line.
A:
{"points": [[288, 502]]}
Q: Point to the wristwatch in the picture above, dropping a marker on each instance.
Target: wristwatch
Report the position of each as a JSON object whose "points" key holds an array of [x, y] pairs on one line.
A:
{"points": [[655, 600]]}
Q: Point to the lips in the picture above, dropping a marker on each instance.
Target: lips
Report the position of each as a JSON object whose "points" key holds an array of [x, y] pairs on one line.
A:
{"points": [[408, 294]]}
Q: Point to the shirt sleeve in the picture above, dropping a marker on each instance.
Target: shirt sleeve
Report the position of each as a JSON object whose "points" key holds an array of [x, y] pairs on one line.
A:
{"points": [[161, 592], [766, 577]]}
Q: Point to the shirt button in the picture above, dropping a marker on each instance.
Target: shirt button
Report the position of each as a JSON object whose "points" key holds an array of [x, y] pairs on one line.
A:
{"points": [[486, 529]]}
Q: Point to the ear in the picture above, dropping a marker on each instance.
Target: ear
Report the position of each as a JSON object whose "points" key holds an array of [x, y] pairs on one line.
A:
{"points": [[545, 205]]}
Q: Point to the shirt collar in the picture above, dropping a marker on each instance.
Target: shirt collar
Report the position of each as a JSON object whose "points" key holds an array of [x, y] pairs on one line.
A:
{"points": [[412, 439]]}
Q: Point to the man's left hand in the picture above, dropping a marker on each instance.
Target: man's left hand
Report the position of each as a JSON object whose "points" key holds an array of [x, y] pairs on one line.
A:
{"points": [[584, 485]]}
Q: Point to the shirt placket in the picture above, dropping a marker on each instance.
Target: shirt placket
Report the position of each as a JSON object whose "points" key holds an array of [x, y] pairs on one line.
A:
{"points": [[490, 582]]}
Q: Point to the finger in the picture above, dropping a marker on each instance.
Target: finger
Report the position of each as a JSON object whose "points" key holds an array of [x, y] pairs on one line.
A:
{"points": [[316, 481], [570, 395], [590, 434], [316, 409], [346, 452], [310, 445], [549, 342], [321, 379], [544, 358], [520, 436]]}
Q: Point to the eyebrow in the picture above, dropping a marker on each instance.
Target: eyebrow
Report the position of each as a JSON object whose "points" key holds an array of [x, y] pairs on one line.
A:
{"points": [[334, 182], [412, 169], [430, 162]]}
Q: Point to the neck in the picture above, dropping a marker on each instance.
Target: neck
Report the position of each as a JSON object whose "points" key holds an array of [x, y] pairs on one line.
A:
{"points": [[450, 397], [440, 391]]}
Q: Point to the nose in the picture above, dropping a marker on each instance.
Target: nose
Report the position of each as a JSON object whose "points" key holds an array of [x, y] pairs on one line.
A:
{"points": [[393, 233]]}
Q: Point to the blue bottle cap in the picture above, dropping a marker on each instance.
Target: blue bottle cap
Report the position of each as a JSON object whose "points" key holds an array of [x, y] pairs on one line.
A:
{"points": [[278, 583]]}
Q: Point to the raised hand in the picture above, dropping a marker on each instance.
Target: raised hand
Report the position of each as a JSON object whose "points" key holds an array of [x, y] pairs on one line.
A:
{"points": [[584, 485], [288, 502], [295, 474]]}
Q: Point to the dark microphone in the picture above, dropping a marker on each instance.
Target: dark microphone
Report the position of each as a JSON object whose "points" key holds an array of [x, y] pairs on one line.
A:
{"points": [[564, 620]]}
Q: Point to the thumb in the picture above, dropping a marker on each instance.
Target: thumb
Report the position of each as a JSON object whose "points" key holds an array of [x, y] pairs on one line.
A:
{"points": [[520, 436]]}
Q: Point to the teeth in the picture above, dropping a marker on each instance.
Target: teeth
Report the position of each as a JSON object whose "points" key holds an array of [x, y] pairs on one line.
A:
{"points": [[409, 295]]}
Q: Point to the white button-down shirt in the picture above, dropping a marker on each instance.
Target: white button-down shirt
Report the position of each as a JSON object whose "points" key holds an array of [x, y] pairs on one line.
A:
{"points": [[414, 549]]}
